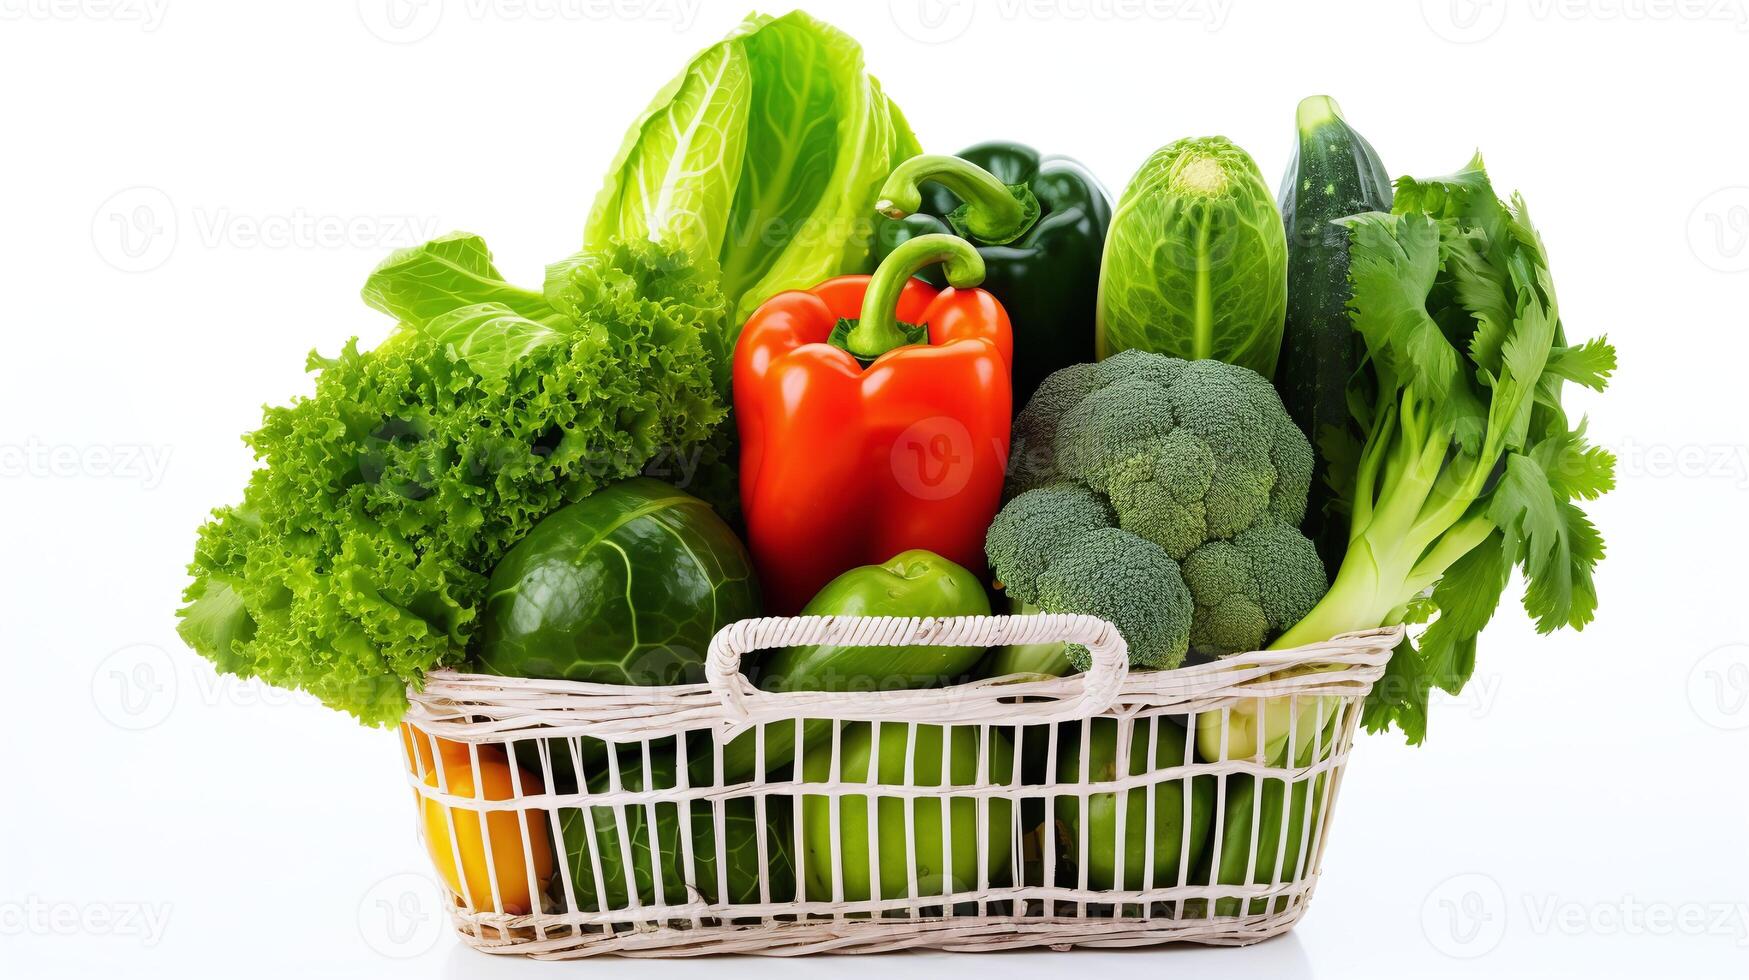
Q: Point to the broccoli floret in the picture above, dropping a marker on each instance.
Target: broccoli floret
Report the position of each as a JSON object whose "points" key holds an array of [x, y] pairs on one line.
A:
{"points": [[1034, 527], [1186, 451], [1252, 587], [1031, 452], [1056, 547], [1195, 459], [1129, 581]]}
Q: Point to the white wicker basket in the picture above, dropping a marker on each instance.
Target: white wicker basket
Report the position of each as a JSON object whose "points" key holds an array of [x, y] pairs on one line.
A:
{"points": [[1045, 895]]}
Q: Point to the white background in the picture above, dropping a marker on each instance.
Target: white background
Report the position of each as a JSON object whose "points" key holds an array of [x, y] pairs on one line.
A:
{"points": [[190, 196]]}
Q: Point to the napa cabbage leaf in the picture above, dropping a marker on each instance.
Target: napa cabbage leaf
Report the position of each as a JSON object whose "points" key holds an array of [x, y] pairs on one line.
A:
{"points": [[761, 160]]}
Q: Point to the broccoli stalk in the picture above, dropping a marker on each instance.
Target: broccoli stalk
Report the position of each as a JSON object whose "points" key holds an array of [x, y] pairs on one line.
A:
{"points": [[1469, 466], [1035, 660]]}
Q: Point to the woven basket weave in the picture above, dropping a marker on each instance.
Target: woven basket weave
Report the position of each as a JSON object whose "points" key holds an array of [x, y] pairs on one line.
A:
{"points": [[1044, 895]]}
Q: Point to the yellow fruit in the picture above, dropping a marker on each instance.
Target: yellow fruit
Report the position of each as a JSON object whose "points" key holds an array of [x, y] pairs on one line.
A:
{"points": [[416, 743], [509, 863]]}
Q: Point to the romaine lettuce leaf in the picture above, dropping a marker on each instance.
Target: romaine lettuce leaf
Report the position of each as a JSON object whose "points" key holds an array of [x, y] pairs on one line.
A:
{"points": [[413, 285], [762, 160], [675, 174]]}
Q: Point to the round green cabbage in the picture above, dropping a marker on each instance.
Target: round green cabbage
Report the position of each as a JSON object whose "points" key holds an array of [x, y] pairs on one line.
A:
{"points": [[626, 586], [1196, 261]]}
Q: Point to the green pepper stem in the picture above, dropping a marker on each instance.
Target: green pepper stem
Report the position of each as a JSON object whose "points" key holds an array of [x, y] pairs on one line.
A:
{"points": [[993, 214], [877, 329]]}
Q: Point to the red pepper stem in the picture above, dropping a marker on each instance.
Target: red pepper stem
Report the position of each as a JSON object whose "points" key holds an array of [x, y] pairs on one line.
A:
{"points": [[877, 329], [993, 214]]}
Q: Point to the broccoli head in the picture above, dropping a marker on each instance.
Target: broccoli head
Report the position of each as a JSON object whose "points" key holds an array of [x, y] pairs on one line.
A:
{"points": [[1057, 548], [1252, 587], [1195, 459], [1030, 533]]}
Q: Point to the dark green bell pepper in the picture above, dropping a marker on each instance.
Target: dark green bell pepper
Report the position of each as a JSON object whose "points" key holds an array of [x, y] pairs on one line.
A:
{"points": [[912, 583], [1040, 224]]}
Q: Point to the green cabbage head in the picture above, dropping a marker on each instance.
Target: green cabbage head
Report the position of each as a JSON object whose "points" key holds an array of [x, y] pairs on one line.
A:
{"points": [[1196, 262]]}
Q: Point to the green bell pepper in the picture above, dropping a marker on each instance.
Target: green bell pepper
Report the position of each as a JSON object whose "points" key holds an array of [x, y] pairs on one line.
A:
{"points": [[912, 583], [1040, 224]]}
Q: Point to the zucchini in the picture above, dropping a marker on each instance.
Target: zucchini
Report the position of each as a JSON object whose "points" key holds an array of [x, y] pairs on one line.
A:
{"points": [[1334, 173]]}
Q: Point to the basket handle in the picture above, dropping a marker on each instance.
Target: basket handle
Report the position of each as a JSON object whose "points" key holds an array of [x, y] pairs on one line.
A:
{"points": [[1098, 689]]}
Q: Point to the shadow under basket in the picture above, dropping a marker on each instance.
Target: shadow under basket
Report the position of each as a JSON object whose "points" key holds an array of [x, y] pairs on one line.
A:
{"points": [[1109, 808]]}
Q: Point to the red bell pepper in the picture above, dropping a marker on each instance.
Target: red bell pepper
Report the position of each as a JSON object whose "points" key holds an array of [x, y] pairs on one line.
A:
{"points": [[862, 437]]}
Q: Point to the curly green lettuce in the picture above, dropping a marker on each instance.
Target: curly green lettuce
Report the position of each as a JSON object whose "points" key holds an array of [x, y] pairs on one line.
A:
{"points": [[358, 557]]}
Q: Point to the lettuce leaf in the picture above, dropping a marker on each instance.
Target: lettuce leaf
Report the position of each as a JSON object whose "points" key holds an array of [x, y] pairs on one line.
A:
{"points": [[762, 160], [413, 285], [358, 556]]}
